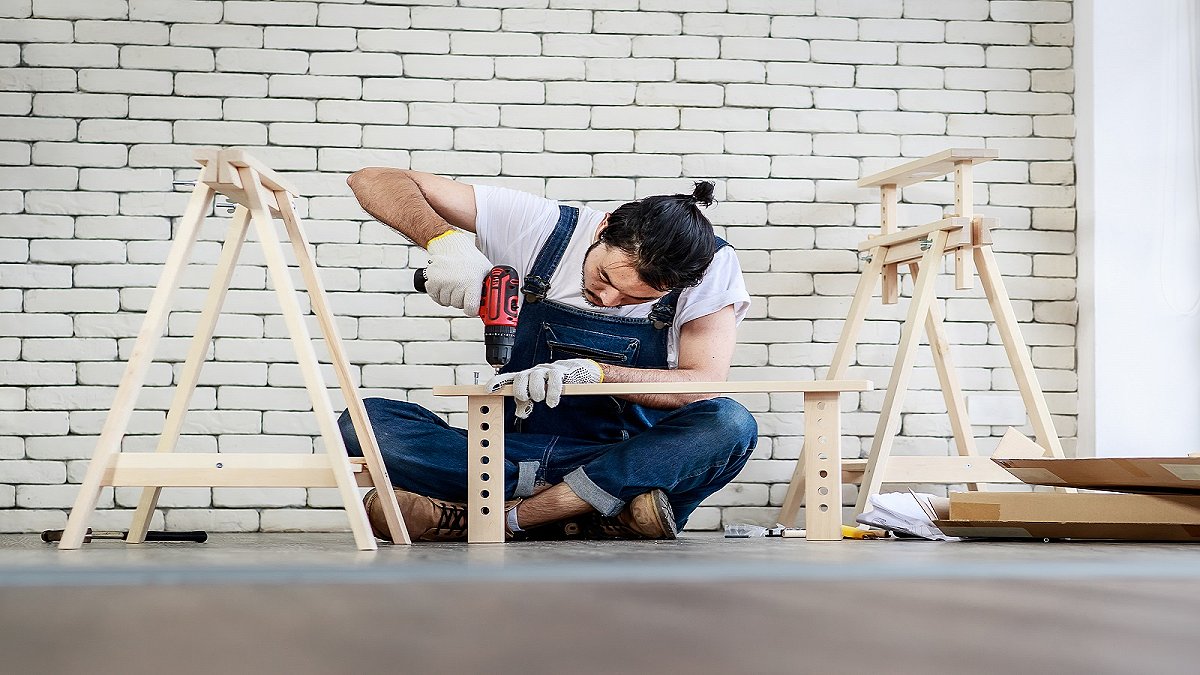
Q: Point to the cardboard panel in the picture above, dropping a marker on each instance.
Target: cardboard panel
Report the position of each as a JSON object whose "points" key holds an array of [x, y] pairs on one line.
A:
{"points": [[1127, 474], [1011, 530], [1052, 515], [1054, 507]]}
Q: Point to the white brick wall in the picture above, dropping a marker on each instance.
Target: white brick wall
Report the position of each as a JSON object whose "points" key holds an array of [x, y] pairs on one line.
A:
{"points": [[785, 103]]}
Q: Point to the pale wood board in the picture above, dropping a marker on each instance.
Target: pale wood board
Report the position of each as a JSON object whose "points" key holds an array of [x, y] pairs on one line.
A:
{"points": [[621, 388], [914, 233], [1017, 352], [889, 219], [956, 406], [923, 169], [485, 469], [822, 467], [964, 206]]}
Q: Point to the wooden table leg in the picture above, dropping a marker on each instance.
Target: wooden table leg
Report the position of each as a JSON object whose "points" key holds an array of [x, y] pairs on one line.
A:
{"points": [[822, 466], [485, 469]]}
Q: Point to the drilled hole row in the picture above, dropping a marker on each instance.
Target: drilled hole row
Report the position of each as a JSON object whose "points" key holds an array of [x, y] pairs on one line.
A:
{"points": [[823, 507], [484, 459]]}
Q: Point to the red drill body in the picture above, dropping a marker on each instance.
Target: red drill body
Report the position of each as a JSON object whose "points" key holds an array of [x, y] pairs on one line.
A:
{"points": [[498, 306]]}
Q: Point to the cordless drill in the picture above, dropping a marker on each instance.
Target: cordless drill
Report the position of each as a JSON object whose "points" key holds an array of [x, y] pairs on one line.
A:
{"points": [[497, 308]]}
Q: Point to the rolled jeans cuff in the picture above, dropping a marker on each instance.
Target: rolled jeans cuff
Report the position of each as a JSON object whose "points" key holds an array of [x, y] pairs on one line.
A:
{"points": [[526, 478], [591, 493]]}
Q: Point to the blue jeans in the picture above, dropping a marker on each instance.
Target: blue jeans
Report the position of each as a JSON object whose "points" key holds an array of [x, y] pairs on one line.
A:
{"points": [[690, 453]]}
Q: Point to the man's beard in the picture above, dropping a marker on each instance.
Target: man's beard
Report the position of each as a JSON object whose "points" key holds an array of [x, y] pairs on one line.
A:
{"points": [[583, 289]]}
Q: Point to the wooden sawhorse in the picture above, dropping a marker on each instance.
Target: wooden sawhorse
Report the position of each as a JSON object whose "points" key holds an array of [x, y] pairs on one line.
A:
{"points": [[822, 443], [260, 195], [967, 238]]}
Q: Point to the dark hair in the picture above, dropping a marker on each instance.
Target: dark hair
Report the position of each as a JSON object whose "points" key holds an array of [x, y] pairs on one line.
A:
{"points": [[669, 240]]}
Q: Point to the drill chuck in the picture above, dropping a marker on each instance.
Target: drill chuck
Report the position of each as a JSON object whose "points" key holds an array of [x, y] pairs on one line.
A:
{"points": [[498, 344]]}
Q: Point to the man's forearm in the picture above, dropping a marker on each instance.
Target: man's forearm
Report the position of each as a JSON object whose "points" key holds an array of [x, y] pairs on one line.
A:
{"points": [[662, 401], [395, 199]]}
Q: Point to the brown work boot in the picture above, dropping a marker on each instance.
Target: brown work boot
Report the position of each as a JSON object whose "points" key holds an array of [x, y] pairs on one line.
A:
{"points": [[425, 518], [646, 516]]}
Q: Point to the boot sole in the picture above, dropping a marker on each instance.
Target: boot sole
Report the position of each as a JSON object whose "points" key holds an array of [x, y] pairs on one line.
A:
{"points": [[660, 518]]}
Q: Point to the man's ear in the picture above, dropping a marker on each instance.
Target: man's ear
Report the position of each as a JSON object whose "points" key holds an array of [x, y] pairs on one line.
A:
{"points": [[603, 224]]}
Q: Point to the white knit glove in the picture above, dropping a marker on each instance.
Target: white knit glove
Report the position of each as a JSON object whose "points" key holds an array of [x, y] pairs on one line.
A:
{"points": [[544, 382], [456, 271]]}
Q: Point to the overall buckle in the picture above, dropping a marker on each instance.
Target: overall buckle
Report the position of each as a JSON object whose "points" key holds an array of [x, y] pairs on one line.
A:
{"points": [[661, 316], [535, 289]]}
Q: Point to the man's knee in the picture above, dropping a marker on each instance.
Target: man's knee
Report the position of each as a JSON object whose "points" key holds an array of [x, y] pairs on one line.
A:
{"points": [[378, 410], [730, 419]]}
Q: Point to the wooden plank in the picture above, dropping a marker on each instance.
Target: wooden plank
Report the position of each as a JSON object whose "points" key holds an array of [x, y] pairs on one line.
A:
{"points": [[213, 469], [822, 467], [619, 388], [117, 421], [914, 233], [274, 182], [237, 195], [239, 157], [363, 429], [485, 469], [189, 375], [306, 357], [1017, 352], [888, 224], [889, 417], [956, 404], [913, 251], [933, 470], [854, 320], [923, 169], [1014, 444], [964, 205]]}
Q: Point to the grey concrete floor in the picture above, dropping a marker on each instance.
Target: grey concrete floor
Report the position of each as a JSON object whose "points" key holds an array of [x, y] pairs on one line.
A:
{"points": [[309, 603]]}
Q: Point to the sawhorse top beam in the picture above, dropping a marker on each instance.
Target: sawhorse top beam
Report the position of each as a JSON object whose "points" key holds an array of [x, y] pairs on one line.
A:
{"points": [[925, 168]]}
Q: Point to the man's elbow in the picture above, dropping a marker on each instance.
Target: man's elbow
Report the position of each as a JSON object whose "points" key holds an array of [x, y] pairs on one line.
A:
{"points": [[371, 175], [362, 177]]}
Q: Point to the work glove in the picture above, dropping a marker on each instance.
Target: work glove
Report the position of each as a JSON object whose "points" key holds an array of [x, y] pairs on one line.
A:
{"points": [[454, 277], [544, 382]]}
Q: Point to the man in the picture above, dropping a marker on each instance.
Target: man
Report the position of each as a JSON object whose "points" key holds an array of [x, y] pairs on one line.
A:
{"points": [[646, 293]]}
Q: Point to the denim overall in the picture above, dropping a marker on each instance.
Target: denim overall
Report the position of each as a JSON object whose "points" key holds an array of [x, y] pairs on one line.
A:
{"points": [[608, 450], [551, 331]]}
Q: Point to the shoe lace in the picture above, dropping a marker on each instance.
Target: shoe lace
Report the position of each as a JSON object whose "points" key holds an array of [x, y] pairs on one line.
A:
{"points": [[453, 518], [610, 526]]}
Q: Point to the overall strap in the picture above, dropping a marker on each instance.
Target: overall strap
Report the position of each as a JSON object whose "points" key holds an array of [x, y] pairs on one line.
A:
{"points": [[537, 284], [663, 311]]}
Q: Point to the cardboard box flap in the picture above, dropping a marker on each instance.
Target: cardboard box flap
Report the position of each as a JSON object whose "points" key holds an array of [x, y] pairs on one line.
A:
{"points": [[1018, 455]]}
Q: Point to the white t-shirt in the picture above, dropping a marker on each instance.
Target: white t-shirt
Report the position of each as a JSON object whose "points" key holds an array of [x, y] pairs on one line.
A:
{"points": [[512, 226]]}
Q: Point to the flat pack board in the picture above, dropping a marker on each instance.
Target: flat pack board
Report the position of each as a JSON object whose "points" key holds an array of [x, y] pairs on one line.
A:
{"points": [[1054, 515], [1179, 475], [983, 529]]}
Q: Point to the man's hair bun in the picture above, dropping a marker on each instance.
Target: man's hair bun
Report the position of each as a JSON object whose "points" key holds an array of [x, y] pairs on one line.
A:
{"points": [[703, 192]]}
